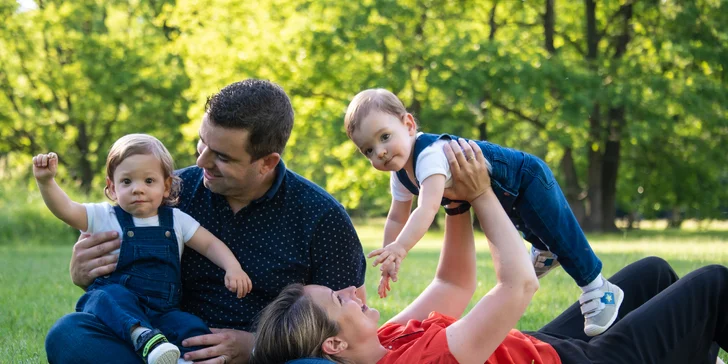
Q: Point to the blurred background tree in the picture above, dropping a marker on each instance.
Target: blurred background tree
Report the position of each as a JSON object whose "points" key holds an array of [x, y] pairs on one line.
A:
{"points": [[626, 100]]}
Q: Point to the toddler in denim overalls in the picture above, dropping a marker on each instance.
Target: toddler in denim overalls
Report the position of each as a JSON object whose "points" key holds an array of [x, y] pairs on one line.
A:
{"points": [[380, 126], [139, 301]]}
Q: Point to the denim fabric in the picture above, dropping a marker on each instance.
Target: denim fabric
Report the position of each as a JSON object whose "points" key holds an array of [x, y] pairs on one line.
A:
{"points": [[528, 191], [145, 287]]}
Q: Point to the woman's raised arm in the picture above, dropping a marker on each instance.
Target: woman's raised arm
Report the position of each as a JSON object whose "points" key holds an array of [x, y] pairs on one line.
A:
{"points": [[475, 337]]}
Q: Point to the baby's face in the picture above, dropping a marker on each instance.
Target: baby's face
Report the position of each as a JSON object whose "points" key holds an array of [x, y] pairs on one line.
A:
{"points": [[385, 140], [139, 186]]}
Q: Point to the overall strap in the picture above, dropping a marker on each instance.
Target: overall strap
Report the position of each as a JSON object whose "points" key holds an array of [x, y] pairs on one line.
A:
{"points": [[125, 219], [423, 141], [166, 216]]}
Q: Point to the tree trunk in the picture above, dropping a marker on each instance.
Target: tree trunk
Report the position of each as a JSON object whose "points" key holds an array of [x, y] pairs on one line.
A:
{"points": [[610, 168], [594, 177], [572, 190], [82, 145], [616, 121]]}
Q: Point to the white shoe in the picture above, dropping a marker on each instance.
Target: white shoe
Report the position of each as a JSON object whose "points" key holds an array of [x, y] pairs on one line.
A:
{"points": [[600, 308]]}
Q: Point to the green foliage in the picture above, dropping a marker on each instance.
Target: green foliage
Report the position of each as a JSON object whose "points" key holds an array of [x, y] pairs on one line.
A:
{"points": [[77, 75], [650, 79]]}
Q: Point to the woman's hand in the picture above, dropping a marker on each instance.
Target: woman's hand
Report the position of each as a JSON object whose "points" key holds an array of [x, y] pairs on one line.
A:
{"points": [[226, 346], [469, 173]]}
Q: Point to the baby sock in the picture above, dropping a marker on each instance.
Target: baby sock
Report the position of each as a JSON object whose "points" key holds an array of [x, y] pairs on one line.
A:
{"points": [[135, 333], [596, 283]]}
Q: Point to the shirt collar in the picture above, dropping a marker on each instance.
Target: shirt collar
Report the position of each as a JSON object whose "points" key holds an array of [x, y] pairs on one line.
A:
{"points": [[280, 175]]}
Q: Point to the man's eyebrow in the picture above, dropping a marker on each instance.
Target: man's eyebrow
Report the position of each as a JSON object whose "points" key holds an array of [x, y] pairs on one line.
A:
{"points": [[224, 155]]}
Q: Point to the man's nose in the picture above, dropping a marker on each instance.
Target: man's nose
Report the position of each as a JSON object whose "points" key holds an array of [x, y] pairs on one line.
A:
{"points": [[203, 161]]}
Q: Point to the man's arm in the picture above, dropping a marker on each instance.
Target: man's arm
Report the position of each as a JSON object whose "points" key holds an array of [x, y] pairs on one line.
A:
{"points": [[91, 257]]}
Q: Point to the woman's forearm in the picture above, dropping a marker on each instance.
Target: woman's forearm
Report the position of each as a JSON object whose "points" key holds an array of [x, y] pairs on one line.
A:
{"points": [[511, 262]]}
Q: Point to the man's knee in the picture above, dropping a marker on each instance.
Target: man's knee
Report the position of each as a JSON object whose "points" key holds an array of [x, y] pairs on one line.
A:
{"points": [[62, 336]]}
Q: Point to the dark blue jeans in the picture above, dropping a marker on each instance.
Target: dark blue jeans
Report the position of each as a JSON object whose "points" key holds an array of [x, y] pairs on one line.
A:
{"points": [[82, 338], [533, 199]]}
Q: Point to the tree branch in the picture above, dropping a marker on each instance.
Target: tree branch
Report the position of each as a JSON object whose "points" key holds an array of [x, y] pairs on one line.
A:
{"points": [[537, 123]]}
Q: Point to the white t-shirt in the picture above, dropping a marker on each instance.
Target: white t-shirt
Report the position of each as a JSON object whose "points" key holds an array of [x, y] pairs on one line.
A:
{"points": [[432, 160], [102, 217]]}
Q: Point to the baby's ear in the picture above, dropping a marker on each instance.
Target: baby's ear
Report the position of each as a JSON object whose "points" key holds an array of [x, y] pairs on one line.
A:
{"points": [[168, 186], [410, 122], [333, 345], [110, 190]]}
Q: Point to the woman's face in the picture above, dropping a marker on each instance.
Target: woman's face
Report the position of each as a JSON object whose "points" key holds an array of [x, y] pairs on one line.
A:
{"points": [[357, 321]]}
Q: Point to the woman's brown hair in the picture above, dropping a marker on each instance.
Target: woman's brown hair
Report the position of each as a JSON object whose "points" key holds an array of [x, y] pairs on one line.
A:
{"points": [[292, 327]]}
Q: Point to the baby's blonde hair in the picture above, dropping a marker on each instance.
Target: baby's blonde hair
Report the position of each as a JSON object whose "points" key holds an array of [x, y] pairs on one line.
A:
{"points": [[143, 144], [373, 99]]}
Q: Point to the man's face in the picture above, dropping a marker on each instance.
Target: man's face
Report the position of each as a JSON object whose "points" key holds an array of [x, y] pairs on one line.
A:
{"points": [[227, 166]]}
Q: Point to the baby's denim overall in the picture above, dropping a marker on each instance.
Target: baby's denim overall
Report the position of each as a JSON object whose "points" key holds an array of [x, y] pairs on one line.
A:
{"points": [[530, 195], [145, 287]]}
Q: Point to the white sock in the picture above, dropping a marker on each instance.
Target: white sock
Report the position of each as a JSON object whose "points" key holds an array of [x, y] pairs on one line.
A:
{"points": [[596, 283], [138, 332]]}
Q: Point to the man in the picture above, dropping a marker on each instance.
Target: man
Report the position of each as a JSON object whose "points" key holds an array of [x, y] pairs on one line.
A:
{"points": [[281, 227]]}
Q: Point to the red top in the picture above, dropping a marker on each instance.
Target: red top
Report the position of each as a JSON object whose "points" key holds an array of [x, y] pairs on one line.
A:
{"points": [[426, 342]]}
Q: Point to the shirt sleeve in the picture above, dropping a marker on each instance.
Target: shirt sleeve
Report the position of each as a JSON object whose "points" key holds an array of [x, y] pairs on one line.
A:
{"points": [[432, 160], [184, 225], [337, 257], [399, 191], [96, 214]]}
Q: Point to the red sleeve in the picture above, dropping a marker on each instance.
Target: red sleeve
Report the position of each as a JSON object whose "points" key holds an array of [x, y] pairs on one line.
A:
{"points": [[417, 341]]}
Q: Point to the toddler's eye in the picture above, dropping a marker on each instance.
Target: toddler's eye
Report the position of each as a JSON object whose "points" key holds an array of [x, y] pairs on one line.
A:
{"points": [[368, 152], [385, 137], [340, 301], [150, 180], [126, 181]]}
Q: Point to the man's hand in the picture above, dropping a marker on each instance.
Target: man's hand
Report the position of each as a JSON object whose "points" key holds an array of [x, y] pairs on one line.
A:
{"points": [[236, 280], [45, 167], [91, 257], [226, 346], [469, 174]]}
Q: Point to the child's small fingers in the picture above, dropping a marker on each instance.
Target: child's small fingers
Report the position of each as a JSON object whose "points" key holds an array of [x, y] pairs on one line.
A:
{"points": [[380, 259], [375, 253], [239, 288]]}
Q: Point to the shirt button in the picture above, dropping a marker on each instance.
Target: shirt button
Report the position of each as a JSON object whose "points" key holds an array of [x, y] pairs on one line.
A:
{"points": [[167, 234], [130, 234]]}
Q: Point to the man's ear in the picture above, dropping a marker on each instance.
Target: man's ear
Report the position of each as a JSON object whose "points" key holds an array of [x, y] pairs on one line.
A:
{"points": [[334, 345], [269, 163]]}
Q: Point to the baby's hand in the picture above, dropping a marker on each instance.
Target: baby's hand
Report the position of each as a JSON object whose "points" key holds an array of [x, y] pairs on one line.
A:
{"points": [[45, 167], [236, 280], [390, 257], [384, 286]]}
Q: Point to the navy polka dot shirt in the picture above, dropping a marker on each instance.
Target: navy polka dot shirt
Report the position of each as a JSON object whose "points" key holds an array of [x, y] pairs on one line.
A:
{"points": [[295, 233]]}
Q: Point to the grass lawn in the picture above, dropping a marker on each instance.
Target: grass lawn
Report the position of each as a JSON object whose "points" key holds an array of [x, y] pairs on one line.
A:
{"points": [[35, 288]]}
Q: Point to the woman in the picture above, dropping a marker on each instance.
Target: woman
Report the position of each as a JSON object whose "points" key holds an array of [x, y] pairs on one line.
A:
{"points": [[662, 319]]}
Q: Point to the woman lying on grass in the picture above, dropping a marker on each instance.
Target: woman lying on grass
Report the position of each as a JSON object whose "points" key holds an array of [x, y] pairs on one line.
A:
{"points": [[662, 319]]}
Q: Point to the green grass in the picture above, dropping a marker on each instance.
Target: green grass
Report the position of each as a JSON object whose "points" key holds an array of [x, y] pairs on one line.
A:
{"points": [[35, 288]]}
